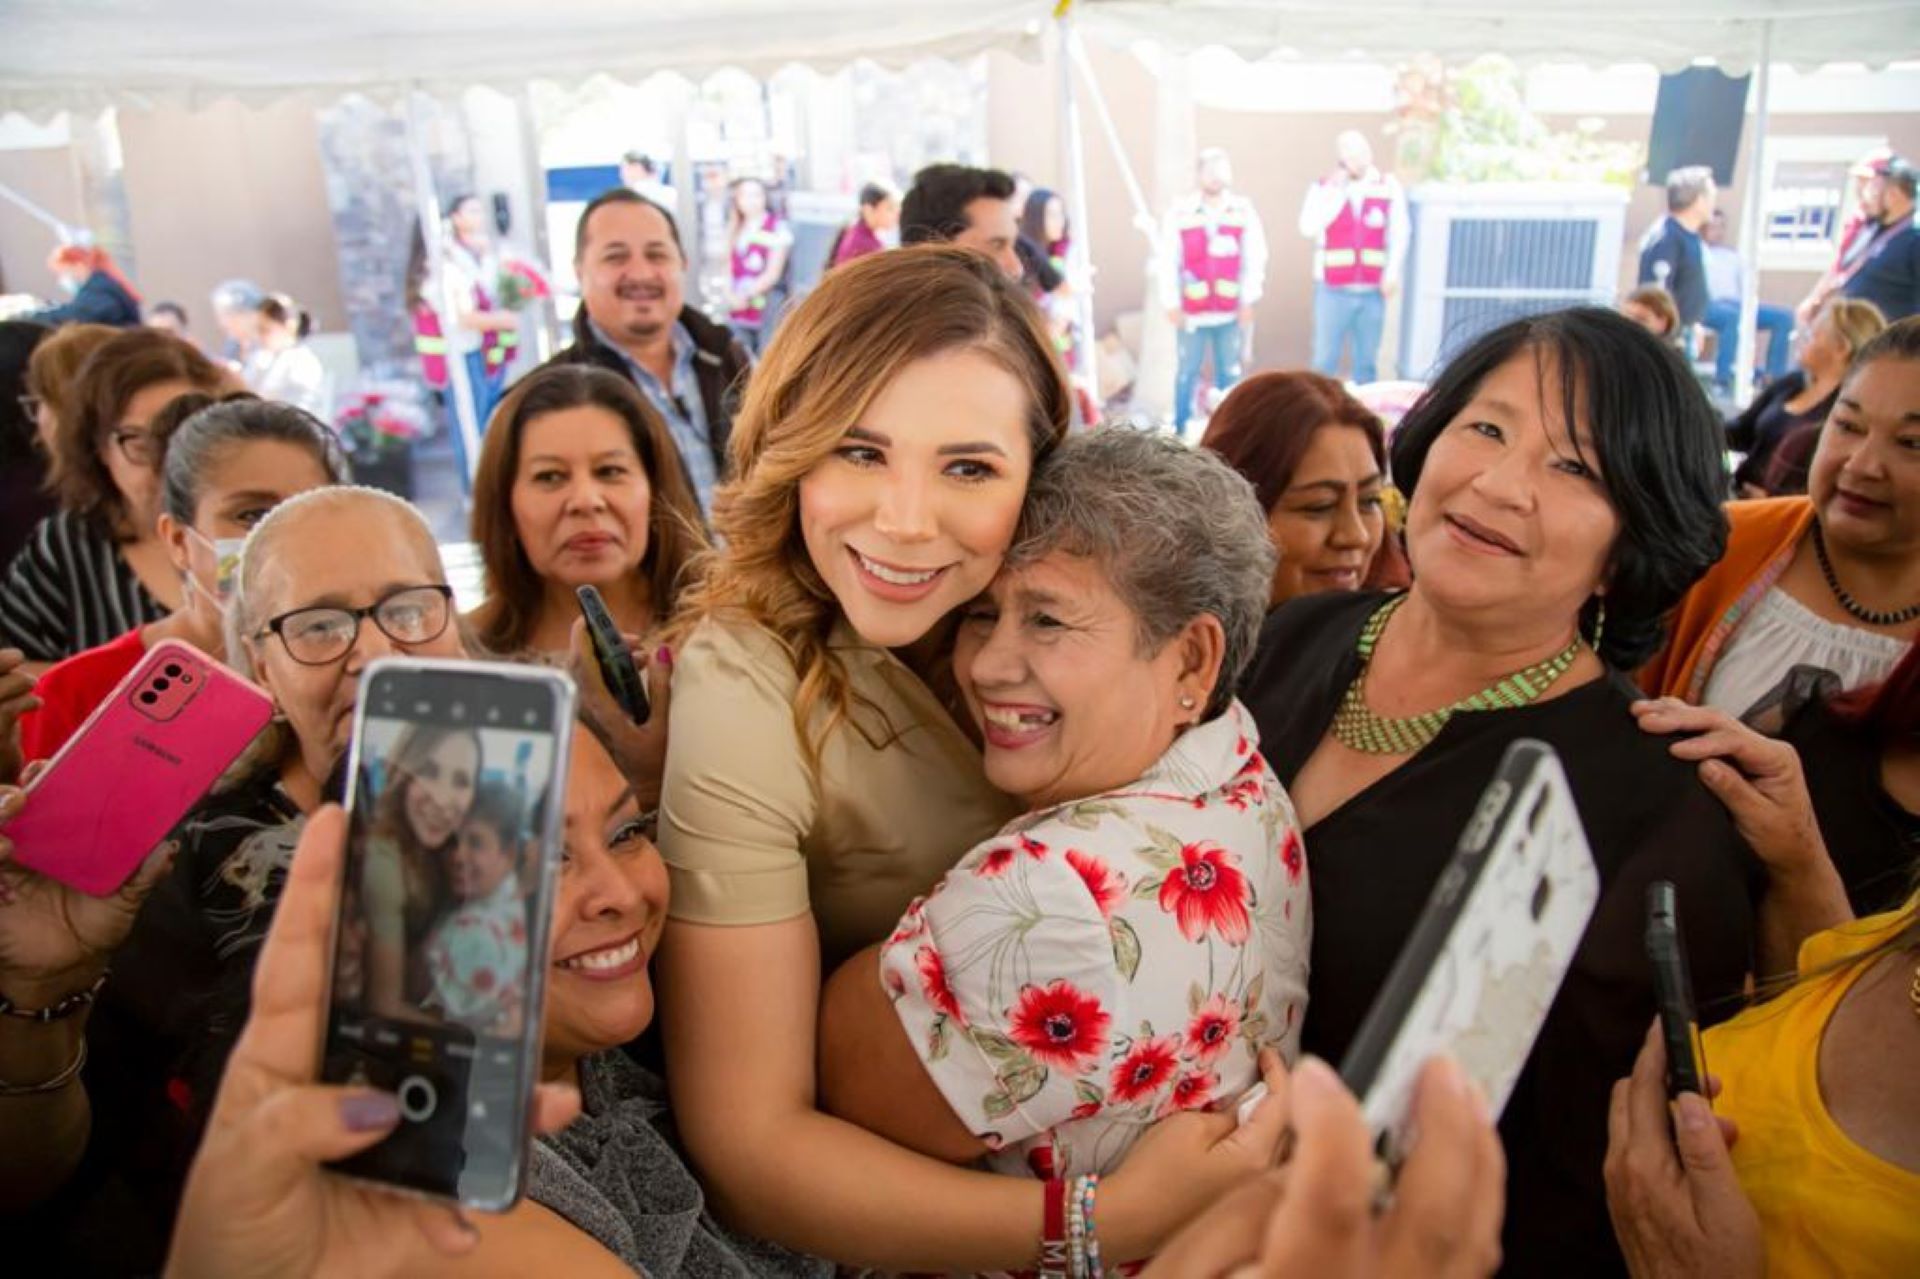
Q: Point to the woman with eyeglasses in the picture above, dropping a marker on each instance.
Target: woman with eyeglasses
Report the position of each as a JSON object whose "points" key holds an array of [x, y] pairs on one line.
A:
{"points": [[330, 579], [98, 568], [225, 464]]}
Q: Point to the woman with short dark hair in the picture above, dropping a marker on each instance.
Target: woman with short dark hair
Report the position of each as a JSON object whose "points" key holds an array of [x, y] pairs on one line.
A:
{"points": [[1564, 482]]}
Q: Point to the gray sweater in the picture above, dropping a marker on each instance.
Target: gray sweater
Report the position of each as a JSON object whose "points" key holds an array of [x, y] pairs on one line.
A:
{"points": [[616, 1172]]}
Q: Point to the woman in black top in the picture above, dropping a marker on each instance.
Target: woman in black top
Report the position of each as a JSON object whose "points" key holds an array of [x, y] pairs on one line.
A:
{"points": [[1552, 552], [1799, 402]]}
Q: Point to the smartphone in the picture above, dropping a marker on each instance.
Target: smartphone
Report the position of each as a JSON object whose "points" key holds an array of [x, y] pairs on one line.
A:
{"points": [[1673, 991], [1483, 964], [615, 658], [136, 766], [456, 791]]}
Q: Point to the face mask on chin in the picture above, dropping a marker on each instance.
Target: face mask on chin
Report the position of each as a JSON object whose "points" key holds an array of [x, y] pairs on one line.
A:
{"points": [[226, 562]]}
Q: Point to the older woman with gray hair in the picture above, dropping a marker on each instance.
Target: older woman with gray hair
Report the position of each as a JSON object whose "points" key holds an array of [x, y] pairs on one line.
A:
{"points": [[1129, 947]]}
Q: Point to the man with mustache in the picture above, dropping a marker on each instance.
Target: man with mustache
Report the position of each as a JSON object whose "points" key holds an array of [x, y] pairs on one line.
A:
{"points": [[634, 320]]}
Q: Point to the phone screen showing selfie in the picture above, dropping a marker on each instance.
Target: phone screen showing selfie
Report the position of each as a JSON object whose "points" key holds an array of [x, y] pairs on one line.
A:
{"points": [[440, 943]]}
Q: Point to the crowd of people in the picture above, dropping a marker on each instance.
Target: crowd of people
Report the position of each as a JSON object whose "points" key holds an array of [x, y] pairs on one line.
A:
{"points": [[1016, 801]]}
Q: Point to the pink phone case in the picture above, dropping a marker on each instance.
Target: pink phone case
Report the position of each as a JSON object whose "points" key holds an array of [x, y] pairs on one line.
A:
{"points": [[142, 759]]}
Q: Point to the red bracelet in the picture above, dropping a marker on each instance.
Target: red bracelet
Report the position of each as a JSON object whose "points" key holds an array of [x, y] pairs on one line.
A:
{"points": [[1053, 1233]]}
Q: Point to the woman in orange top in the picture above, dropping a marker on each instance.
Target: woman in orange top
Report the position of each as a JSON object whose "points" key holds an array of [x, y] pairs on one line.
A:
{"points": [[1831, 580]]}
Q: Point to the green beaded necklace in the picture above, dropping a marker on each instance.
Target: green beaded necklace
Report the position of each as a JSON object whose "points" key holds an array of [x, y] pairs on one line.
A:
{"points": [[1357, 728]]}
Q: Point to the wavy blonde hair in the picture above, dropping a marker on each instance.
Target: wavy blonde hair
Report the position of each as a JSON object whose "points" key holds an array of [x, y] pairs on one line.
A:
{"points": [[832, 356]]}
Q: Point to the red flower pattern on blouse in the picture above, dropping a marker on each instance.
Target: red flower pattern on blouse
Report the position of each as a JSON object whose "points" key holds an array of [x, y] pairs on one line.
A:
{"points": [[999, 858], [1108, 886], [933, 980], [1207, 891], [1212, 1029], [1145, 1070], [1059, 1025], [1293, 856], [1195, 1090]]}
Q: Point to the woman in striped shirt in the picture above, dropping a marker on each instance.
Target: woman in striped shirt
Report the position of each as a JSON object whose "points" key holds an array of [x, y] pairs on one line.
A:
{"points": [[97, 568]]}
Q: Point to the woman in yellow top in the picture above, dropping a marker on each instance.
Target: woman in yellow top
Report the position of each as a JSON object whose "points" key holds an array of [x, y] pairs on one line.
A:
{"points": [[817, 781], [1815, 1086]]}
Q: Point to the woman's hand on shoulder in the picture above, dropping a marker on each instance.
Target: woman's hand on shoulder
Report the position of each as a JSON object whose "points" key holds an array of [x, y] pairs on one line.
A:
{"points": [[1758, 778], [257, 1200], [1321, 1213], [55, 940], [639, 750]]}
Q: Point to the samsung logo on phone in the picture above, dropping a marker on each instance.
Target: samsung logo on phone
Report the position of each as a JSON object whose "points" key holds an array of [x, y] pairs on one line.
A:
{"points": [[152, 748]]}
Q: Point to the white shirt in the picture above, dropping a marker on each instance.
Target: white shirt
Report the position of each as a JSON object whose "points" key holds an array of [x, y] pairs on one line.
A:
{"points": [[1782, 633], [464, 270], [294, 376], [1323, 203], [1253, 251], [1725, 274]]}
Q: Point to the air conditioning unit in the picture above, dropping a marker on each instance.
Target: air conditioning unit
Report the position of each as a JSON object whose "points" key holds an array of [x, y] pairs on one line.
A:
{"points": [[1487, 253]]}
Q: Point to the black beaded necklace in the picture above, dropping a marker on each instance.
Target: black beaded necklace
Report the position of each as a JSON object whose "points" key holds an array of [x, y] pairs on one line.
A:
{"points": [[1854, 607]]}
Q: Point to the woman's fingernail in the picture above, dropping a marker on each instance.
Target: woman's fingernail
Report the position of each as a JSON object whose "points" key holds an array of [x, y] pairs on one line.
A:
{"points": [[1314, 1080], [369, 1111], [664, 656], [1694, 1115]]}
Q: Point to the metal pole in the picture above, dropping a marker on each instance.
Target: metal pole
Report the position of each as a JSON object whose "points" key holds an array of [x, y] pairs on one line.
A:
{"points": [[537, 239], [1750, 222], [427, 202], [1079, 254]]}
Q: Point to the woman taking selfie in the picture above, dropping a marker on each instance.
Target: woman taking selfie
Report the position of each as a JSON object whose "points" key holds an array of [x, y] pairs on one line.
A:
{"points": [[818, 782], [579, 485]]}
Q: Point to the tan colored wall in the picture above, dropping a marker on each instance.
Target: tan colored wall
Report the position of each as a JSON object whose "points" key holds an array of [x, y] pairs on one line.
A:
{"points": [[50, 177], [230, 191]]}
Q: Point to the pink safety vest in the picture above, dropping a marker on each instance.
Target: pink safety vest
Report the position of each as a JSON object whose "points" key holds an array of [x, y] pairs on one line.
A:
{"points": [[1353, 248], [751, 253], [1210, 263]]}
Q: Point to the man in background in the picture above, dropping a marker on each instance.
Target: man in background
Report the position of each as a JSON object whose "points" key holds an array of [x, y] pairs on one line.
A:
{"points": [[1672, 255], [1357, 218], [640, 174], [958, 204], [1883, 266], [1726, 285], [1213, 267]]}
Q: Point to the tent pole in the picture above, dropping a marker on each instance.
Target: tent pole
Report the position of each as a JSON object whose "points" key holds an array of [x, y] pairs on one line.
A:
{"points": [[537, 237], [427, 203], [1750, 222], [1079, 250]]}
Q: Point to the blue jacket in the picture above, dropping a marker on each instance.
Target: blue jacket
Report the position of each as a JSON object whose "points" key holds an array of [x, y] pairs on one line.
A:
{"points": [[1889, 274], [101, 300], [1680, 251]]}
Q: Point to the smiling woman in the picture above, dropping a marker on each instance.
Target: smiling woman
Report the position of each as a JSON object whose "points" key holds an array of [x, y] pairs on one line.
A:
{"points": [[579, 485], [1564, 483]]}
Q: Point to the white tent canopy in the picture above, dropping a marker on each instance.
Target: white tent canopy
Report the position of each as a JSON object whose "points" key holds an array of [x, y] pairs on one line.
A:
{"points": [[1668, 33], [90, 54]]}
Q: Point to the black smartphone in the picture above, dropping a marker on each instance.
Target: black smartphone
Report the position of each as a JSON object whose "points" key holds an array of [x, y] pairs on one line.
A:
{"points": [[456, 791], [1673, 991], [615, 658]]}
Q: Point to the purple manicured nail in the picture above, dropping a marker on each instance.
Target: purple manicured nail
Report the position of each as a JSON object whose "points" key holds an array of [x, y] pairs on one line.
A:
{"points": [[664, 656], [369, 1111]]}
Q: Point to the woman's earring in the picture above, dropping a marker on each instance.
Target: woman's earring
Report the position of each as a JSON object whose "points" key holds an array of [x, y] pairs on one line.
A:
{"points": [[1599, 624], [1186, 703]]}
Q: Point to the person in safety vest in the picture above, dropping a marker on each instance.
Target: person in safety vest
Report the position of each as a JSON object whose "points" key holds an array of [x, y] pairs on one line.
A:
{"points": [[479, 331], [1213, 268], [1357, 218], [759, 244]]}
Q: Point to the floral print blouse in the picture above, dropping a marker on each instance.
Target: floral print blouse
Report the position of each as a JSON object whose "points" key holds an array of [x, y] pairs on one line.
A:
{"points": [[1103, 963]]}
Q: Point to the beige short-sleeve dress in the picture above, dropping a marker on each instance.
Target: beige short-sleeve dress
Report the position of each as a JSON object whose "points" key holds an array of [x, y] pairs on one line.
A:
{"points": [[752, 835]]}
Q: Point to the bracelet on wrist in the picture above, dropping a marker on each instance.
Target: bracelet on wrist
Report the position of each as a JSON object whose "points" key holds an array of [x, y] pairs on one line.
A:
{"points": [[55, 1084], [1053, 1233], [58, 1010]]}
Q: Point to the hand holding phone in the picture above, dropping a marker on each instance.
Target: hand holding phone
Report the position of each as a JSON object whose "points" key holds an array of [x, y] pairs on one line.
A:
{"points": [[613, 657], [456, 797], [1673, 991], [138, 764], [1480, 971]]}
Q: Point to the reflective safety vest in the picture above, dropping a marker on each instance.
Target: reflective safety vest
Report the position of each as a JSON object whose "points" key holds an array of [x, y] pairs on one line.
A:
{"points": [[1211, 257], [751, 254], [1353, 248], [430, 344]]}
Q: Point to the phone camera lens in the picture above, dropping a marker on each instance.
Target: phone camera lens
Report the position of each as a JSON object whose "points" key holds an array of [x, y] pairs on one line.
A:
{"points": [[186, 679], [162, 685], [1542, 894], [173, 668], [148, 699]]}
